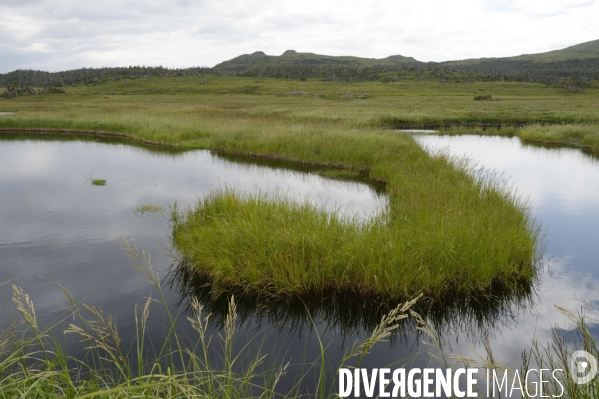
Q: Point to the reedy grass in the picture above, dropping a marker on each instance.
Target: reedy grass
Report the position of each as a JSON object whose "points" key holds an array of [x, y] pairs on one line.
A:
{"points": [[564, 343], [34, 364], [180, 111], [183, 113], [584, 136]]}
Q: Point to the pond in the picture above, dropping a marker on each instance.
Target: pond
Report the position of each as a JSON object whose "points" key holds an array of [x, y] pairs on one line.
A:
{"points": [[562, 187], [58, 229]]}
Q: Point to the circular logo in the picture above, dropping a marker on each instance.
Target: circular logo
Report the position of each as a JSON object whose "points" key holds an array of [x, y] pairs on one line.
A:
{"points": [[583, 367]]}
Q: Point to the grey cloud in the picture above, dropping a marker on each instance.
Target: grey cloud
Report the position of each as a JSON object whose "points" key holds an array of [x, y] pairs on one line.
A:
{"points": [[65, 34]]}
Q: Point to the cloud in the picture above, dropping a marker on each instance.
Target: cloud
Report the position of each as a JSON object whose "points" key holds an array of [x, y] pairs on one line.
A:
{"points": [[63, 34]]}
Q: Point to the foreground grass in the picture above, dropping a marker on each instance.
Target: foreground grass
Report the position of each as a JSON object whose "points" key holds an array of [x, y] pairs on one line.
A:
{"points": [[35, 364]]}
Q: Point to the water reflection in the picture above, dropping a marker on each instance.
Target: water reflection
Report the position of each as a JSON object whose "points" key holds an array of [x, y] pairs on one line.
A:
{"points": [[340, 175], [353, 314], [58, 229]]}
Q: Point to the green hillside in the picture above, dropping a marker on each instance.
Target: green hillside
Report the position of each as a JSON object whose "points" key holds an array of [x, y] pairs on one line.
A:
{"points": [[243, 62], [260, 59], [574, 68], [577, 52], [582, 51]]}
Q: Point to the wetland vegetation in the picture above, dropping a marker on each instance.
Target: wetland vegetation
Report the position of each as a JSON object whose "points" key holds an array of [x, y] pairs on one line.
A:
{"points": [[452, 230], [228, 112], [274, 246]]}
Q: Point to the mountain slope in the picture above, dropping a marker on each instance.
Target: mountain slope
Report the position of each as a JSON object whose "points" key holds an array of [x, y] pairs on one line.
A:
{"points": [[582, 51], [260, 59], [575, 66], [577, 52], [587, 50]]}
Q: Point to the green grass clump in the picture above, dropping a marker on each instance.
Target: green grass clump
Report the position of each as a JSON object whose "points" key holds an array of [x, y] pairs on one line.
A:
{"points": [[585, 136], [98, 182], [448, 230]]}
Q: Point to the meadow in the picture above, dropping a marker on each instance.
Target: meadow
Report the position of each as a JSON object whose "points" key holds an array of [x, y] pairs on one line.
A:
{"points": [[213, 111]]}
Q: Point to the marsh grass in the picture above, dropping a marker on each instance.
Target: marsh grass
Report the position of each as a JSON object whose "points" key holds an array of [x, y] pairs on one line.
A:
{"points": [[585, 136], [181, 112], [35, 364], [450, 229], [448, 221]]}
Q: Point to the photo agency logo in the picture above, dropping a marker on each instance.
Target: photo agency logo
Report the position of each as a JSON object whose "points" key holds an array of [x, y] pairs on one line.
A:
{"points": [[583, 367], [463, 382]]}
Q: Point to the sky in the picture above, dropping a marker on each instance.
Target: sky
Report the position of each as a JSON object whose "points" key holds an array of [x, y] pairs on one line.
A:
{"points": [[55, 35]]}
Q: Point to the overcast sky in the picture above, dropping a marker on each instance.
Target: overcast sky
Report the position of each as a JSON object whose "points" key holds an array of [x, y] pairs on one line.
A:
{"points": [[64, 34]]}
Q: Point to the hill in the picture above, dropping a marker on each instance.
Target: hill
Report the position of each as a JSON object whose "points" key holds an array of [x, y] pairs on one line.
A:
{"points": [[579, 64], [578, 52], [574, 68], [260, 59], [582, 51]]}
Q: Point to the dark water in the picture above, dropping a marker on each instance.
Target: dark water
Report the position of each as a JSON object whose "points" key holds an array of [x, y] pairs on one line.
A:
{"points": [[58, 229]]}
